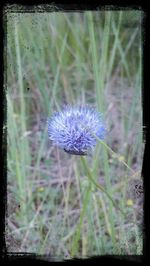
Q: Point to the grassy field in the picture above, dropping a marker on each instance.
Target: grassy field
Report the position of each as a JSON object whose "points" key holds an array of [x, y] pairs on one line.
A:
{"points": [[92, 58]]}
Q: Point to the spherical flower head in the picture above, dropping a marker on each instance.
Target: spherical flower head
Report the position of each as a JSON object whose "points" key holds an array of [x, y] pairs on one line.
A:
{"points": [[76, 129]]}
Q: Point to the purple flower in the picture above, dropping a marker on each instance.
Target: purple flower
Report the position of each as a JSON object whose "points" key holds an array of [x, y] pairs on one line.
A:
{"points": [[73, 129]]}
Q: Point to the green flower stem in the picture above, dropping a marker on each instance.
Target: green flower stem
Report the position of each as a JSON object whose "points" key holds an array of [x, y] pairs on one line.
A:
{"points": [[98, 185]]}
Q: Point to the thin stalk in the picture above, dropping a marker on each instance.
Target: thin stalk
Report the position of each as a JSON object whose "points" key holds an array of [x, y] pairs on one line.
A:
{"points": [[109, 190], [99, 88], [78, 230], [118, 157], [23, 151], [98, 185]]}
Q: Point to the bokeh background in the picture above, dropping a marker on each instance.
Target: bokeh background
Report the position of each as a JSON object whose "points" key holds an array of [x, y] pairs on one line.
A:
{"points": [[56, 58]]}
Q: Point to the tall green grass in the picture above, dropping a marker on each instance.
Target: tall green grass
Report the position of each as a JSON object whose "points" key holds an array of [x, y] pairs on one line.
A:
{"points": [[85, 58]]}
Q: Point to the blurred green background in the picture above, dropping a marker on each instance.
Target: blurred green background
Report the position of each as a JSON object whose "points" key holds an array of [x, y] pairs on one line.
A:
{"points": [[53, 59]]}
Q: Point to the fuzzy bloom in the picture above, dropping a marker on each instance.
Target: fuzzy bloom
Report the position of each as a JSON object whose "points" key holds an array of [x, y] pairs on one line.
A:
{"points": [[73, 129]]}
